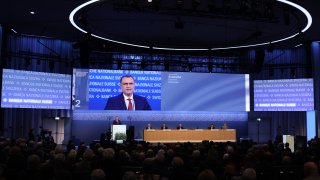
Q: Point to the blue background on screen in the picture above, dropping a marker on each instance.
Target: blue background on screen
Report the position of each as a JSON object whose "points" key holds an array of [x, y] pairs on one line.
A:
{"points": [[185, 91], [31, 89], [283, 95]]}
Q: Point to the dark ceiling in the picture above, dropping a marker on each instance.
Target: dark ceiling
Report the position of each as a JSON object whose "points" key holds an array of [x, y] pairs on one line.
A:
{"points": [[167, 23]]}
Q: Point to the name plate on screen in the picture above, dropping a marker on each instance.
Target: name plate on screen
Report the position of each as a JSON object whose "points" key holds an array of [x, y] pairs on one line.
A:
{"points": [[198, 129], [167, 129], [150, 129]]}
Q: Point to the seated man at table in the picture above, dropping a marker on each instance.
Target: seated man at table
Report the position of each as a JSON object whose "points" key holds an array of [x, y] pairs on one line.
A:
{"points": [[224, 126], [180, 126], [149, 126], [164, 126], [211, 126]]}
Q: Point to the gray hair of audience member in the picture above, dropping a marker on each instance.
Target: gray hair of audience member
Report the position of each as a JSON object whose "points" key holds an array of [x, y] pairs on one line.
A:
{"points": [[310, 169], [206, 174], [33, 161], [170, 153], [72, 154], [150, 153], [196, 154], [249, 174], [88, 154], [161, 151], [59, 149], [59, 157], [97, 174], [108, 153], [177, 162], [160, 157]]}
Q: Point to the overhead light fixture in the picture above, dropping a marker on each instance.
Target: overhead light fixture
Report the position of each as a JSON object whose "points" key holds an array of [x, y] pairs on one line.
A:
{"points": [[298, 45], [32, 12], [286, 2], [13, 30]]}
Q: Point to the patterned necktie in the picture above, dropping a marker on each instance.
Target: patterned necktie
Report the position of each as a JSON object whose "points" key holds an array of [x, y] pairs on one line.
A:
{"points": [[130, 108]]}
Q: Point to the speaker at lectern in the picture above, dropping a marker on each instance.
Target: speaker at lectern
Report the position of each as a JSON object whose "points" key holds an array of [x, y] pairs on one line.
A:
{"points": [[288, 139], [118, 129]]}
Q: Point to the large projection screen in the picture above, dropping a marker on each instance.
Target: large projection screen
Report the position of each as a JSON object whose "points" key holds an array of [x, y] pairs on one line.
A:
{"points": [[283, 95], [39, 90], [165, 91]]}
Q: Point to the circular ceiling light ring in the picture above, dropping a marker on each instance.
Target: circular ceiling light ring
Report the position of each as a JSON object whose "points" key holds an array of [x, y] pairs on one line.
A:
{"points": [[300, 8]]}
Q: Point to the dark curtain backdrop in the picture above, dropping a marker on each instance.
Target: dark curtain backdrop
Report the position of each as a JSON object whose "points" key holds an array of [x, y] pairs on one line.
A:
{"points": [[41, 51], [282, 64]]}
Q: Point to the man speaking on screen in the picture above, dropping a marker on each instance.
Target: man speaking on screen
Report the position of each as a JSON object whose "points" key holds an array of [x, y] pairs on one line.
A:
{"points": [[127, 100]]}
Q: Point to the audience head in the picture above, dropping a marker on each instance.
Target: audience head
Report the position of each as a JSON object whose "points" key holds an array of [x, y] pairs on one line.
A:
{"points": [[310, 169], [249, 174], [206, 174], [33, 162], [177, 162], [97, 174]]}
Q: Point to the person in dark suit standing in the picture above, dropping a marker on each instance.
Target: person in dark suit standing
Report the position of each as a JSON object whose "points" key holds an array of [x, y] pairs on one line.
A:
{"points": [[116, 121], [127, 100]]}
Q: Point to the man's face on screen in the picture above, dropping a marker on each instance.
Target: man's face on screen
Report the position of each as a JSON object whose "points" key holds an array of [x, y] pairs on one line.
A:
{"points": [[127, 85]]}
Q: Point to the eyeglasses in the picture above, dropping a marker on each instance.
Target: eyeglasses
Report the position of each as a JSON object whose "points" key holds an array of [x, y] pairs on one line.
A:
{"points": [[127, 84]]}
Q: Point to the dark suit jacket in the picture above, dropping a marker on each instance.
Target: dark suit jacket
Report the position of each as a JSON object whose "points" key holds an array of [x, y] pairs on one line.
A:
{"points": [[166, 127], [115, 122], [118, 103]]}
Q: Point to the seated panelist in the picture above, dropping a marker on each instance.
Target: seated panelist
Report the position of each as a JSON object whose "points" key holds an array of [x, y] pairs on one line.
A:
{"points": [[149, 126], [224, 126], [180, 126], [211, 126], [164, 126]]}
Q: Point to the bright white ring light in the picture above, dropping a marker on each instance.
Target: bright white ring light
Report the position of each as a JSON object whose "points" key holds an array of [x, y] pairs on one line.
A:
{"points": [[303, 10]]}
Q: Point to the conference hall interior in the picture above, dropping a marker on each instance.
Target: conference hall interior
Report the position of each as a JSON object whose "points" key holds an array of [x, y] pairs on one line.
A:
{"points": [[160, 89]]}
